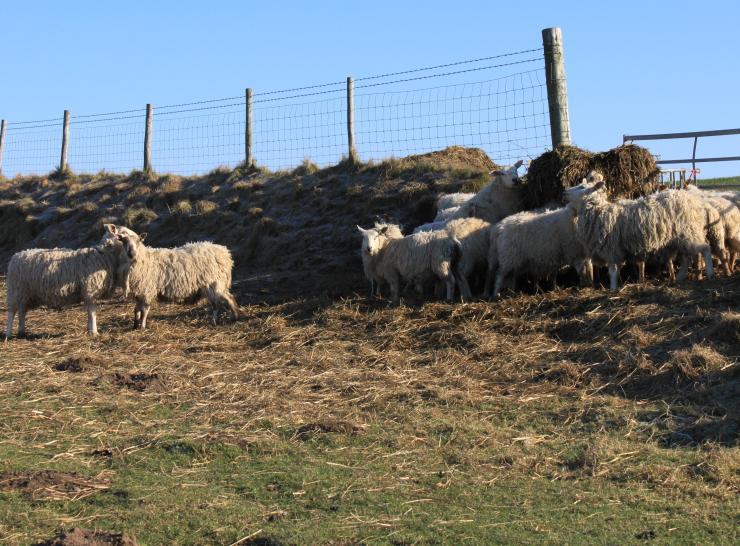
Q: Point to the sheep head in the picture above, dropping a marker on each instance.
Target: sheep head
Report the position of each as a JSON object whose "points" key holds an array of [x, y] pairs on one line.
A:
{"points": [[576, 194], [131, 242], [372, 241], [509, 177]]}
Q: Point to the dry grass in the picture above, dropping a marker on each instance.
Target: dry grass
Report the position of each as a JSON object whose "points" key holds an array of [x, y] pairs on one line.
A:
{"points": [[634, 392]]}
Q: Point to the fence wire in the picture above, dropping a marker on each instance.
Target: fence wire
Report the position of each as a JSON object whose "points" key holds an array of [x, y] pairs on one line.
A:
{"points": [[497, 103]]}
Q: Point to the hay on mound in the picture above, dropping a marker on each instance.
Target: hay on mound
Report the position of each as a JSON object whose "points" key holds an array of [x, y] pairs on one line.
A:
{"points": [[454, 157], [630, 171]]}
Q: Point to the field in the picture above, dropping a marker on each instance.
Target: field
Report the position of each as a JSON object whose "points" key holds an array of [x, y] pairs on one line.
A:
{"points": [[731, 181], [323, 416]]}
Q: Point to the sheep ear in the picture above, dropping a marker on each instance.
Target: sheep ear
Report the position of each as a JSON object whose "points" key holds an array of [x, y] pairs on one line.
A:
{"points": [[142, 237], [111, 228], [361, 230]]}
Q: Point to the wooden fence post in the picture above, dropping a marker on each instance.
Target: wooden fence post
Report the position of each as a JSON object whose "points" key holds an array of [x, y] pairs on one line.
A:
{"points": [[557, 90], [2, 145], [351, 119], [65, 142], [248, 157], [148, 140]]}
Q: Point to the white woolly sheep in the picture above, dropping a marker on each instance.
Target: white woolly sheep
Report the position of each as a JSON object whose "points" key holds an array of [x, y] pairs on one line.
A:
{"points": [[634, 229], [729, 219], [182, 274], [59, 277], [499, 199], [430, 226], [473, 234], [368, 264], [452, 200], [536, 243], [415, 258]]}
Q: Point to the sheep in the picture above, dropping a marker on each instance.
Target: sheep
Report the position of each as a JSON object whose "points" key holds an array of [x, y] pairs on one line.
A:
{"points": [[729, 223], [415, 258], [445, 214], [538, 243], [497, 200], [473, 234], [430, 226], [390, 230], [634, 229], [59, 277], [183, 274], [452, 200]]}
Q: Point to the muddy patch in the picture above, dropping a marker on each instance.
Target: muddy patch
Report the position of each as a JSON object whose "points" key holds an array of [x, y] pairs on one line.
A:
{"points": [[325, 426], [53, 485], [86, 537], [138, 381]]}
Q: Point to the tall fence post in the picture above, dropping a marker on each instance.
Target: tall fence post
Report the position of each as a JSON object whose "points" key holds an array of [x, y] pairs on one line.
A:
{"points": [[65, 142], [557, 90], [351, 119], [248, 157], [2, 144], [148, 140]]}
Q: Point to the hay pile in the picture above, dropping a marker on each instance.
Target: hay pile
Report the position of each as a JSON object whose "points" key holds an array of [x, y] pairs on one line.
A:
{"points": [[630, 171]]}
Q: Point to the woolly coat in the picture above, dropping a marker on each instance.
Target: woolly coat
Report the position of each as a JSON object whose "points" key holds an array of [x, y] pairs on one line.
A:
{"points": [[536, 243], [499, 199], [59, 277], [182, 274]]}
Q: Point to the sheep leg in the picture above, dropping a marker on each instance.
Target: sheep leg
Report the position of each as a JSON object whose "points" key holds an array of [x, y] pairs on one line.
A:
{"points": [[450, 283], [21, 320], [724, 259], [9, 323], [708, 261], [232, 305], [465, 292], [683, 269], [699, 265], [137, 315], [613, 277], [499, 283], [641, 271], [92, 319], [732, 258], [144, 313], [671, 270]]}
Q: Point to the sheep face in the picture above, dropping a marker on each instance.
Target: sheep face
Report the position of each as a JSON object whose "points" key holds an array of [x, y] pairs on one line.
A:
{"points": [[372, 241], [576, 194], [131, 241], [594, 176], [509, 178]]}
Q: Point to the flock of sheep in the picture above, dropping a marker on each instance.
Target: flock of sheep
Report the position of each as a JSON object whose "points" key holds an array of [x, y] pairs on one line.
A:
{"points": [[58, 277], [487, 230], [490, 231]]}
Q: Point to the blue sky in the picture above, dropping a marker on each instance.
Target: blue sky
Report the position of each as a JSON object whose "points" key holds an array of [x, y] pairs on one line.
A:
{"points": [[632, 67]]}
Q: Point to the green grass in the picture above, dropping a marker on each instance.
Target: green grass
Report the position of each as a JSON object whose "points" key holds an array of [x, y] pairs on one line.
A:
{"points": [[723, 181]]}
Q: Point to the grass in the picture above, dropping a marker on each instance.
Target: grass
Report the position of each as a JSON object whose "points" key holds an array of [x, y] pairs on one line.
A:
{"points": [[723, 181], [574, 417]]}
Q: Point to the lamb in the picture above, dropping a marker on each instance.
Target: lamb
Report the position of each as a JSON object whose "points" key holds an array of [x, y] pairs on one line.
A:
{"points": [[183, 274], [473, 234], [499, 199], [368, 264], [537, 243], [633, 229], [60, 277], [415, 258]]}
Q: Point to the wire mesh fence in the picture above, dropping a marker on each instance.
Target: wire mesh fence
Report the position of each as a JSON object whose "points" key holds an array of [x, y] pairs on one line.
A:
{"points": [[498, 103]]}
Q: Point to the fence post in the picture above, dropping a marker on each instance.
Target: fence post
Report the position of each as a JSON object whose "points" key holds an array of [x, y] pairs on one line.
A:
{"points": [[351, 119], [2, 145], [557, 90], [65, 142], [148, 140], [249, 158]]}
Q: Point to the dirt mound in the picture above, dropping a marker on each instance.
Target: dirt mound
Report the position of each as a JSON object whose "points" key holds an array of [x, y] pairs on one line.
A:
{"points": [[454, 157], [629, 171], [53, 485], [138, 381], [86, 537]]}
